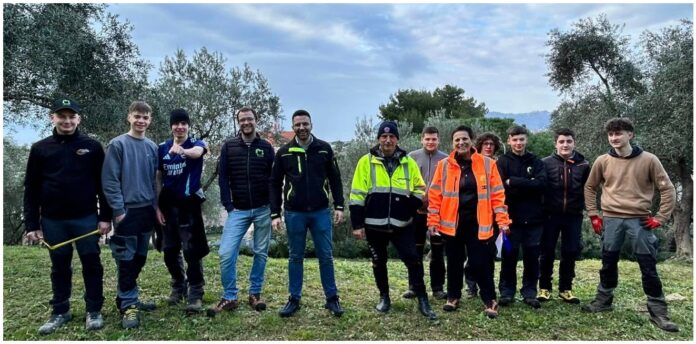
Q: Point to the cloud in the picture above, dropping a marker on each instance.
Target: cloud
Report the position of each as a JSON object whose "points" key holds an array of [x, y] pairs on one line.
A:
{"points": [[338, 34]]}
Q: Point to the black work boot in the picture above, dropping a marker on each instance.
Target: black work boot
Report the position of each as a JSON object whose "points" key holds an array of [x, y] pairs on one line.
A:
{"points": [[384, 304], [290, 308], [601, 303], [334, 306], [424, 307], [657, 307]]}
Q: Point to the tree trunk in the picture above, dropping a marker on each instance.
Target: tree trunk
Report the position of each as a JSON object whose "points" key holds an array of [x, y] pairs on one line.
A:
{"points": [[683, 213]]}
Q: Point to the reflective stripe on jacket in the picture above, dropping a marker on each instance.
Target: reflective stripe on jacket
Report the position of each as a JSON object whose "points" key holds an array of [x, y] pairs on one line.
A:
{"points": [[443, 196], [385, 201]]}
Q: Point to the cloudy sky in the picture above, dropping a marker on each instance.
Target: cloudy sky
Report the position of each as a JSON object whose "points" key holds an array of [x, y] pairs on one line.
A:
{"points": [[341, 61]]}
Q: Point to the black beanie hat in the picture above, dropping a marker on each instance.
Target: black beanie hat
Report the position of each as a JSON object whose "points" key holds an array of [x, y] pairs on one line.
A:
{"points": [[388, 127], [179, 115]]}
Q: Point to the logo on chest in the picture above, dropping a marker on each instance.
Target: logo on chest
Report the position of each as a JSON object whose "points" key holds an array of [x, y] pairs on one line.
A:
{"points": [[259, 152], [82, 151]]}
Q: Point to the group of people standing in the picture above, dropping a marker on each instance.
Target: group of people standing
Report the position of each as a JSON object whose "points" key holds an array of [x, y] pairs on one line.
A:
{"points": [[462, 201]]}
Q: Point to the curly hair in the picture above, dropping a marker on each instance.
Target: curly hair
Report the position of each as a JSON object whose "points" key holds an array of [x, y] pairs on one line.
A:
{"points": [[485, 137]]}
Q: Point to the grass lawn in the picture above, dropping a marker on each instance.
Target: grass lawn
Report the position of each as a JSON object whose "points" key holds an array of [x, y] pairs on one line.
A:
{"points": [[27, 290]]}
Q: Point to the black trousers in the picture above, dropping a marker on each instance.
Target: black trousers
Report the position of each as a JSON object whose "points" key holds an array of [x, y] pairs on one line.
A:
{"points": [[437, 254], [528, 237], [403, 241], [569, 228], [481, 264], [184, 230], [57, 231]]}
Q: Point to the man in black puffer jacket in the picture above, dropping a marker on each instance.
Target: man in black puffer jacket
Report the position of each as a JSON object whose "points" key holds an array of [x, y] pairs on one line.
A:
{"points": [[524, 178], [244, 176], [564, 201]]}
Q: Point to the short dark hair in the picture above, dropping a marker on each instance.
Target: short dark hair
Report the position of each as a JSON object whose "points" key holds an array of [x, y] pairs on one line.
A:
{"points": [[618, 124], [485, 137], [301, 113], [246, 109], [464, 128], [517, 130], [430, 130], [139, 106], [563, 131]]}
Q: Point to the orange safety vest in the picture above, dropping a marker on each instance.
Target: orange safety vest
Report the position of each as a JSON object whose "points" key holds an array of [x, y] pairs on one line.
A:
{"points": [[443, 196]]}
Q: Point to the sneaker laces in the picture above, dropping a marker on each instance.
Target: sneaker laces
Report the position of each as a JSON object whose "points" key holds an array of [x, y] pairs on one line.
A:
{"points": [[131, 314]]}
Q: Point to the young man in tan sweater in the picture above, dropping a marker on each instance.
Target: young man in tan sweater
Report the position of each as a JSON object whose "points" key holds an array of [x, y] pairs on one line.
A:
{"points": [[629, 176]]}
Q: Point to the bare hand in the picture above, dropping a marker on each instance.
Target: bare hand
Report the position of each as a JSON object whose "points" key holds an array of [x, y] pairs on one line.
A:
{"points": [[104, 227], [176, 149], [359, 234], [277, 224], [506, 229], [160, 217], [338, 216], [35, 235], [432, 231]]}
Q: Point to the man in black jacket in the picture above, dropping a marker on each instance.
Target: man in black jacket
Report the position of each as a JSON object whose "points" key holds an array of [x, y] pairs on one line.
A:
{"points": [[244, 176], [566, 173], [61, 189], [524, 178], [309, 170]]}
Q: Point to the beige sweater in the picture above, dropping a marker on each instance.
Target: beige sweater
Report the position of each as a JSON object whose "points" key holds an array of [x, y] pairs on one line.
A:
{"points": [[629, 186]]}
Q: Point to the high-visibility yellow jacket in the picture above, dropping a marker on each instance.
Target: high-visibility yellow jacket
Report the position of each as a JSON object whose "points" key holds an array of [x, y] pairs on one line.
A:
{"points": [[443, 196], [382, 202]]}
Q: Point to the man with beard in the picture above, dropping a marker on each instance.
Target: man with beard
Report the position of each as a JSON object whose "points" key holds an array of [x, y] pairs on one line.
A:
{"points": [[307, 168], [244, 176]]}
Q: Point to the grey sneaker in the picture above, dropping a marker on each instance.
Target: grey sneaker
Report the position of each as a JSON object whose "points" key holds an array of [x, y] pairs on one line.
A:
{"points": [[56, 321], [94, 321], [130, 317], [175, 297], [194, 306], [597, 306]]}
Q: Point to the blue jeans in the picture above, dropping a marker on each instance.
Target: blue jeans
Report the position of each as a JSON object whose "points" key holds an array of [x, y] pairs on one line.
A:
{"points": [[319, 225], [237, 224], [56, 231]]}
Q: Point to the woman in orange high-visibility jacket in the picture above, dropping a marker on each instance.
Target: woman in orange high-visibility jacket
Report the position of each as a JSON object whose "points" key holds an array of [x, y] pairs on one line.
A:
{"points": [[466, 192]]}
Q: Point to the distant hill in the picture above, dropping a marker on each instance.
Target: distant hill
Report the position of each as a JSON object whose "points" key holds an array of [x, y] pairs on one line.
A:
{"points": [[534, 121]]}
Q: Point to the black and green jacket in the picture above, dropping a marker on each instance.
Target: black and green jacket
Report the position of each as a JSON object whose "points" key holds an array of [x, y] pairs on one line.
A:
{"points": [[302, 179]]}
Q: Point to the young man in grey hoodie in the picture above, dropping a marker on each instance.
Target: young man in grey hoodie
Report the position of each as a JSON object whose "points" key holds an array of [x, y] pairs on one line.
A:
{"points": [[128, 179], [427, 159]]}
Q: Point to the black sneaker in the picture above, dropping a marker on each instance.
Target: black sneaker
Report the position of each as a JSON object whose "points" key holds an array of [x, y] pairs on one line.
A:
{"points": [[54, 322], [384, 304], [532, 302], [146, 306], [290, 308], [334, 306], [409, 294], [506, 300], [131, 318], [439, 295]]}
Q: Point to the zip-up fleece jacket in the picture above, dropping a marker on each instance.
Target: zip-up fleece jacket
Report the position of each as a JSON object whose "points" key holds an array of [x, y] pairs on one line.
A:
{"points": [[443, 208], [382, 201], [565, 183], [63, 180], [629, 186], [245, 173], [525, 193], [427, 162], [309, 175]]}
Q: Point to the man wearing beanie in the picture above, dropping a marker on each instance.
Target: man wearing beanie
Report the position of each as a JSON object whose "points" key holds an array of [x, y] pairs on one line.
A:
{"points": [[180, 196], [387, 190]]}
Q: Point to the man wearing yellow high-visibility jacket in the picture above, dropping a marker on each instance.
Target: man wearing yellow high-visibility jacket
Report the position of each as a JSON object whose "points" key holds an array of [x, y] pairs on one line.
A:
{"points": [[387, 190]]}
